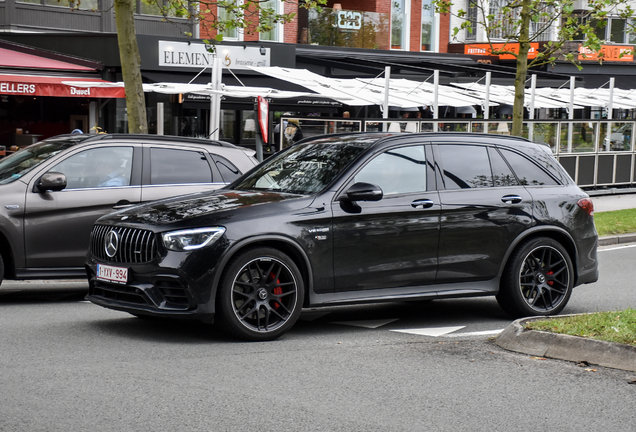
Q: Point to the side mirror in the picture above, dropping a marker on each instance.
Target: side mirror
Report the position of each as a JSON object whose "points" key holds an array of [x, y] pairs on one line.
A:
{"points": [[53, 181], [363, 192]]}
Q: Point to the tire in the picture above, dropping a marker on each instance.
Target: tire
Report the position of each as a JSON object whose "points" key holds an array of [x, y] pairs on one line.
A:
{"points": [[537, 280], [260, 295]]}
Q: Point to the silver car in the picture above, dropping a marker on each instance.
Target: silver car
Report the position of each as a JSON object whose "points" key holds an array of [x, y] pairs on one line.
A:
{"points": [[52, 192]]}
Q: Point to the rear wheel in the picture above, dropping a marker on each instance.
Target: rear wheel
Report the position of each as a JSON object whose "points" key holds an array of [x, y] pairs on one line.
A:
{"points": [[260, 295], [538, 279], [1, 270]]}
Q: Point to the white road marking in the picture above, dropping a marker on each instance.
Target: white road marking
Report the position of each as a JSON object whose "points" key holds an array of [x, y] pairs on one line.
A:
{"points": [[371, 324], [478, 333], [617, 247], [431, 331]]}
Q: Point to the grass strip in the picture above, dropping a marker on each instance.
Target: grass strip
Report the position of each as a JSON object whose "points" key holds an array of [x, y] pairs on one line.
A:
{"points": [[615, 222], [616, 326]]}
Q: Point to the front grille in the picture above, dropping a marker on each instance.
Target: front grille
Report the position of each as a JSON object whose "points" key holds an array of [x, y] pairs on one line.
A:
{"points": [[160, 294], [134, 245], [173, 292], [119, 293]]}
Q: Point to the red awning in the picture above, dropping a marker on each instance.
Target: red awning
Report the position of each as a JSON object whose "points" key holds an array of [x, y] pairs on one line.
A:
{"points": [[11, 58], [37, 85]]}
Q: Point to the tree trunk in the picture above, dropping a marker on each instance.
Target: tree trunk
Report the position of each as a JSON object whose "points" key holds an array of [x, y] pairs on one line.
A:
{"points": [[522, 69], [131, 66]]}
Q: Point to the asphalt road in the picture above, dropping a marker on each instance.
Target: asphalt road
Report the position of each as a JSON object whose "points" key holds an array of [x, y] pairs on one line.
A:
{"points": [[67, 365]]}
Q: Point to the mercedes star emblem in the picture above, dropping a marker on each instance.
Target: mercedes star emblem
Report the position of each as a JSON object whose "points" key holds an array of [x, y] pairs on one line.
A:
{"points": [[111, 243]]}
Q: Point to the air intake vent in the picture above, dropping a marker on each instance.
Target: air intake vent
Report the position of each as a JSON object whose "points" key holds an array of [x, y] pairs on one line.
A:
{"points": [[122, 245]]}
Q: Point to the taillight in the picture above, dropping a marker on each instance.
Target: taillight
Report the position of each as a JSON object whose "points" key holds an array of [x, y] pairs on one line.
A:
{"points": [[587, 205]]}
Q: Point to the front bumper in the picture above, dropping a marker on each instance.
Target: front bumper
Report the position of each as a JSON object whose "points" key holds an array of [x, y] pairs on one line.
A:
{"points": [[177, 285]]}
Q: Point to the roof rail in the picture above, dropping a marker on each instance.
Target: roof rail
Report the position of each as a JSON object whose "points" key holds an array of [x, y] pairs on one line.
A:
{"points": [[166, 138]]}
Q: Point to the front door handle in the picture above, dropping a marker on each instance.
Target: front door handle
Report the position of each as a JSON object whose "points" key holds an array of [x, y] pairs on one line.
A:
{"points": [[122, 204], [425, 203], [511, 199]]}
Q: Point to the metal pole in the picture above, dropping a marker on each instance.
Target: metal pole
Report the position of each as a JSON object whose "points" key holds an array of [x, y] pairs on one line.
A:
{"points": [[571, 113], [215, 99], [435, 98], [610, 115], [159, 118], [487, 101], [533, 87], [385, 106]]}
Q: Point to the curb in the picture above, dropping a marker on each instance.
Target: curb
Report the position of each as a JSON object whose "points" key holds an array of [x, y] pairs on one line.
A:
{"points": [[566, 347], [617, 239]]}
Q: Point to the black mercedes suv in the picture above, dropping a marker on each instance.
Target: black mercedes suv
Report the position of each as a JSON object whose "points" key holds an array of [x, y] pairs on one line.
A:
{"points": [[352, 218]]}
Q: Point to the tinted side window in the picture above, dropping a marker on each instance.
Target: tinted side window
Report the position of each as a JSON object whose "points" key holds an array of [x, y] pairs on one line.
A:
{"points": [[169, 166], [99, 167], [527, 172], [465, 166], [227, 169], [502, 175], [397, 171]]}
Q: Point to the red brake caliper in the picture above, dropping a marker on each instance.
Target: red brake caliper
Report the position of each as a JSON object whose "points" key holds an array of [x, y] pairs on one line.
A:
{"points": [[549, 274], [277, 290]]}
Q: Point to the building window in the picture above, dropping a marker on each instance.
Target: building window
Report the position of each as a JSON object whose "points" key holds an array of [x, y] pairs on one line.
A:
{"points": [[428, 25], [617, 30], [542, 27], [612, 30], [276, 31], [501, 25], [471, 17], [400, 24], [83, 5], [229, 32]]}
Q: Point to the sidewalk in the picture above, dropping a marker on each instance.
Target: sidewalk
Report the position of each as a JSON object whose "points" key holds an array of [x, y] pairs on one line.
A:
{"points": [[612, 202], [566, 347]]}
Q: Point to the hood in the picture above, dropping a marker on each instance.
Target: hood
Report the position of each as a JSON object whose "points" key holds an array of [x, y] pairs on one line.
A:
{"points": [[209, 208]]}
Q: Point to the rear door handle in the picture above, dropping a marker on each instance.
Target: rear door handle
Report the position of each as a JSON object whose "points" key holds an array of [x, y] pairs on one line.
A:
{"points": [[511, 199], [425, 203]]}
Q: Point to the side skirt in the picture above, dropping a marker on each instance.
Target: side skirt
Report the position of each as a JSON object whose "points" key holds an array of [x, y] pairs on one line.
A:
{"points": [[51, 273], [467, 289]]}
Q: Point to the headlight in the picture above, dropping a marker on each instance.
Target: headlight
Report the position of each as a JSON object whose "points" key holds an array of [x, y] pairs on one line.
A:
{"points": [[192, 238]]}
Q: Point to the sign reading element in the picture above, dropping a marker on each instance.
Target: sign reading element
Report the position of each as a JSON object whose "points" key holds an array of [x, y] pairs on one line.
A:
{"points": [[193, 55]]}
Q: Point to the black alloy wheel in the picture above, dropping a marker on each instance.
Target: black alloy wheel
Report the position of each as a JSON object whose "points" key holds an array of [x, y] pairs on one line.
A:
{"points": [[538, 279], [261, 295]]}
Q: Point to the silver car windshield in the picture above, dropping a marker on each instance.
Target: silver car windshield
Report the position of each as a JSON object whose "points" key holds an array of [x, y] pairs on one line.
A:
{"points": [[305, 168], [21, 162]]}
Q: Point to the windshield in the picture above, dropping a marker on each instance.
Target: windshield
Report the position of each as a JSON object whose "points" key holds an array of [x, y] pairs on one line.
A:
{"points": [[21, 162], [306, 168]]}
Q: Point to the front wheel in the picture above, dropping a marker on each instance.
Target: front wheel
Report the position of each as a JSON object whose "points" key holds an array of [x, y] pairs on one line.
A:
{"points": [[260, 295], [538, 279]]}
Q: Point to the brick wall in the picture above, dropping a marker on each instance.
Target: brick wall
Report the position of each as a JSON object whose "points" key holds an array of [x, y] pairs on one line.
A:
{"points": [[290, 30], [416, 25], [444, 32]]}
